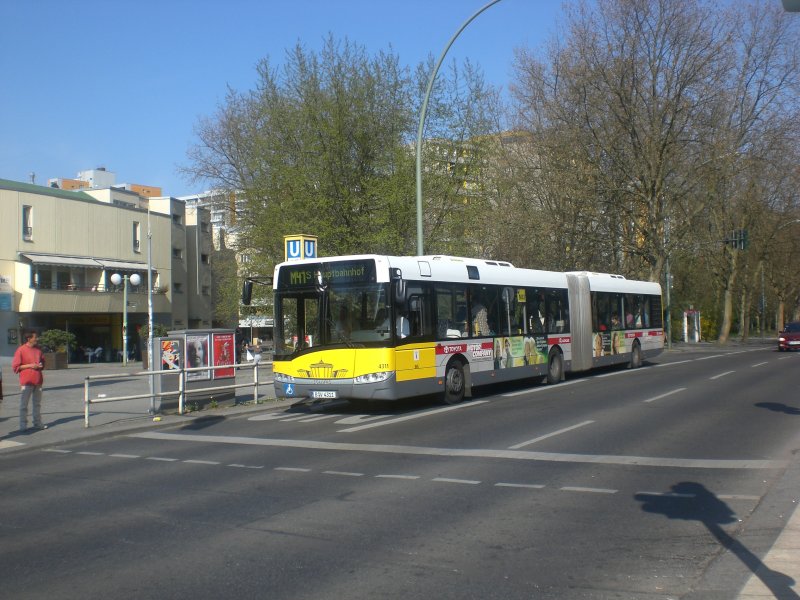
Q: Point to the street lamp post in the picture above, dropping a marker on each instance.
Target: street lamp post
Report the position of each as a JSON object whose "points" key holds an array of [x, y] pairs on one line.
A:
{"points": [[422, 112], [116, 279]]}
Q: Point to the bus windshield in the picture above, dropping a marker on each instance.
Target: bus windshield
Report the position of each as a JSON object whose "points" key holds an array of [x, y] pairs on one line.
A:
{"points": [[346, 314]]}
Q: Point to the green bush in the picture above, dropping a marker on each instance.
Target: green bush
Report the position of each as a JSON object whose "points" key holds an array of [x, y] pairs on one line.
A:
{"points": [[57, 340], [159, 330]]}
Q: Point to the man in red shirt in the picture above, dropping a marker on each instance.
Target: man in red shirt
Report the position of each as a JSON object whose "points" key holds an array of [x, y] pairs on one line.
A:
{"points": [[28, 363]]}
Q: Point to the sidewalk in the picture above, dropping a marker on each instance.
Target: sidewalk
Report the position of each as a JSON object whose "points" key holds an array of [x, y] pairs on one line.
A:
{"points": [[63, 407]]}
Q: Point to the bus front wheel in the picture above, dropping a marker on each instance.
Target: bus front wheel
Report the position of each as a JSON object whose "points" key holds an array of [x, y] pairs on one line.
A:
{"points": [[555, 367], [454, 383]]}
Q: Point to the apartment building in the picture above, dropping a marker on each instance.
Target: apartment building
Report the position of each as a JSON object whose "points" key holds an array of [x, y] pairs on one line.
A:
{"points": [[59, 249]]}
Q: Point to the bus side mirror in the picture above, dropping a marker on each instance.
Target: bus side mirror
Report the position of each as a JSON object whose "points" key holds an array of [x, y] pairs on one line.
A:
{"points": [[399, 287], [399, 292]]}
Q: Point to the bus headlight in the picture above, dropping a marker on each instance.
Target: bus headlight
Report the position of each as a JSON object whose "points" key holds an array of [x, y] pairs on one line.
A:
{"points": [[373, 377], [282, 378]]}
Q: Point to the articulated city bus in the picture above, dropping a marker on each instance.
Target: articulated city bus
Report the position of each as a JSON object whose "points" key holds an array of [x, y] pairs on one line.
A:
{"points": [[373, 327]]}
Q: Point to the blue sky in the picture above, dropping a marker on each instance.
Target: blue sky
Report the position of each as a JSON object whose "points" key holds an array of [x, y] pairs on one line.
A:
{"points": [[122, 84]]}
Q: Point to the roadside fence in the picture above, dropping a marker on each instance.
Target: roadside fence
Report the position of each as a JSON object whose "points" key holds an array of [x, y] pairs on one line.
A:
{"points": [[181, 392]]}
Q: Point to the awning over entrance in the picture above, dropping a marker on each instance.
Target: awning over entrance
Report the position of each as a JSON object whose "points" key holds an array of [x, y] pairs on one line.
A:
{"points": [[84, 261], [55, 260], [121, 265]]}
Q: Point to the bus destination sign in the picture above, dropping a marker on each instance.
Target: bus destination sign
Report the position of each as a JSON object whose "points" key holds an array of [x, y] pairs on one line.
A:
{"points": [[336, 273]]}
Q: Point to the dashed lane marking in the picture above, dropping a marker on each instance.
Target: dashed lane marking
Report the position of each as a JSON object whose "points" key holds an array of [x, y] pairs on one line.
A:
{"points": [[665, 395], [411, 477], [451, 480], [588, 490], [721, 375], [549, 435], [645, 461], [527, 486]]}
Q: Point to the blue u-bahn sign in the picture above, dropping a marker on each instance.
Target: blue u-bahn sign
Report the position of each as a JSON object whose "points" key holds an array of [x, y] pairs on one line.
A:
{"points": [[300, 246]]}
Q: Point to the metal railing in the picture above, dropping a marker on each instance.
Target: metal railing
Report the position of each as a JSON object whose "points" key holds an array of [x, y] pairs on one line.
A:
{"points": [[181, 392]]}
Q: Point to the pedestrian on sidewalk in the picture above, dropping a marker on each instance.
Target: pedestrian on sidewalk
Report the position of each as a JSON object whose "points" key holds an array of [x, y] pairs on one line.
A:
{"points": [[28, 363]]}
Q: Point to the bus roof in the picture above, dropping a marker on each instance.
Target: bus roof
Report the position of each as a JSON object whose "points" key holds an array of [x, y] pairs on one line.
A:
{"points": [[454, 269]]}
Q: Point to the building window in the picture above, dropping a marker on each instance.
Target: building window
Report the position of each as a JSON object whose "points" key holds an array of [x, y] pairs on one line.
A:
{"points": [[177, 253], [204, 226], [27, 222], [177, 287], [204, 259], [177, 220], [206, 290], [137, 232]]}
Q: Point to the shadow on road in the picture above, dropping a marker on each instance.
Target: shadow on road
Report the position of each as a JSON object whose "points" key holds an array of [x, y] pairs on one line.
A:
{"points": [[691, 501], [779, 407]]}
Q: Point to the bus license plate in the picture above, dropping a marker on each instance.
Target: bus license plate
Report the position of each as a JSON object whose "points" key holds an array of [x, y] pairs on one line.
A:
{"points": [[323, 394]]}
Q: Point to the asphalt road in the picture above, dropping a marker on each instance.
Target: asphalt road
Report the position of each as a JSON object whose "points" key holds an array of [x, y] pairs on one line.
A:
{"points": [[668, 481]]}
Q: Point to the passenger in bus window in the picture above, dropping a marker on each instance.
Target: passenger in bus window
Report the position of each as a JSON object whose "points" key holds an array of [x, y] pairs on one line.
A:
{"points": [[480, 321], [615, 321]]}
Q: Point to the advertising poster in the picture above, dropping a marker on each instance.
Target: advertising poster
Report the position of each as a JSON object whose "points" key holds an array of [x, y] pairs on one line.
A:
{"points": [[197, 356], [170, 355], [223, 344]]}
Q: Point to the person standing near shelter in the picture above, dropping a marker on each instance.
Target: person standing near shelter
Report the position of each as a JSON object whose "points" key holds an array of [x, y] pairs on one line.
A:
{"points": [[28, 363]]}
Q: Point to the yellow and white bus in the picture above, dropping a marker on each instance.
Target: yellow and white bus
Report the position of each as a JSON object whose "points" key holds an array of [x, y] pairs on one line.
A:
{"points": [[371, 327]]}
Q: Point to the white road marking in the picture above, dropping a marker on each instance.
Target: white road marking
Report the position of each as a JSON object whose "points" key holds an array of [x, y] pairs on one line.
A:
{"points": [[664, 395], [669, 364], [414, 416], [57, 451], [161, 459], [711, 356], [532, 486], [397, 476], [449, 480], [645, 461], [269, 417], [12, 444], [193, 461], [613, 373], [91, 453], [238, 466], [542, 388], [293, 469], [667, 494], [357, 419], [295, 418], [318, 418], [549, 435], [568, 488], [738, 497], [345, 473], [761, 364], [124, 455], [721, 375]]}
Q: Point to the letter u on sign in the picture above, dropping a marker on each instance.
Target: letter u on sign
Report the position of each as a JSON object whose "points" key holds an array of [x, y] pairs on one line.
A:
{"points": [[293, 249], [310, 247]]}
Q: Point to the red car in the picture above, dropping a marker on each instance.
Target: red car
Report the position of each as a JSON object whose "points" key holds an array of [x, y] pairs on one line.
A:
{"points": [[789, 338]]}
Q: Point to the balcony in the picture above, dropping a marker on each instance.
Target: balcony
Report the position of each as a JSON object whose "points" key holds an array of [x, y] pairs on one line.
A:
{"points": [[91, 299]]}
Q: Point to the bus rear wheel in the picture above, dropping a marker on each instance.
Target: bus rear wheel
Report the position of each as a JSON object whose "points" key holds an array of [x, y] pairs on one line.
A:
{"points": [[454, 383], [555, 367]]}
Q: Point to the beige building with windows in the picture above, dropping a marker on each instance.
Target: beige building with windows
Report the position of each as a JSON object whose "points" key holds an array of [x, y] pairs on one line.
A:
{"points": [[59, 249]]}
